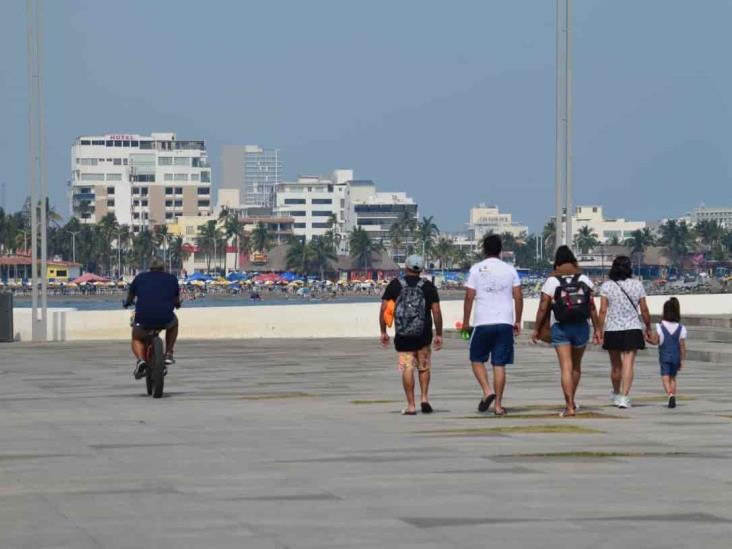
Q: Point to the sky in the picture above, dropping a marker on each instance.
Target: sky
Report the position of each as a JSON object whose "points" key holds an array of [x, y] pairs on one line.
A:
{"points": [[452, 102]]}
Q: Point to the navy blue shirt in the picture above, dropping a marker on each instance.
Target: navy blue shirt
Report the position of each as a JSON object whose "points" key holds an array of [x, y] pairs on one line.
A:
{"points": [[157, 295]]}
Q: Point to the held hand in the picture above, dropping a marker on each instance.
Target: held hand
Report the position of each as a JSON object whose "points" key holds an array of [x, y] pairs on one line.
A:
{"points": [[517, 329], [535, 337], [597, 338], [384, 339], [438, 343]]}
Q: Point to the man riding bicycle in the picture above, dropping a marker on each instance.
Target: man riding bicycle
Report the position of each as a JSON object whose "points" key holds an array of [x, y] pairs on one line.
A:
{"points": [[157, 293]]}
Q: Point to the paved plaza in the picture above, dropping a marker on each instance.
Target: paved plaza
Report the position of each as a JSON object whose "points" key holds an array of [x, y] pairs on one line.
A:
{"points": [[300, 444]]}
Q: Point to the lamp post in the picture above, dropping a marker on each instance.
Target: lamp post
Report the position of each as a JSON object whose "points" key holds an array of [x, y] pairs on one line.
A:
{"points": [[73, 244]]}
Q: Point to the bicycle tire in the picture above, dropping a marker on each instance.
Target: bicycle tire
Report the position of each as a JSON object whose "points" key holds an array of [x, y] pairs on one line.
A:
{"points": [[157, 375], [148, 382]]}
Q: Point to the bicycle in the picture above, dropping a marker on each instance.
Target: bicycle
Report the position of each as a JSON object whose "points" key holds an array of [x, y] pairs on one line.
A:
{"points": [[154, 358]]}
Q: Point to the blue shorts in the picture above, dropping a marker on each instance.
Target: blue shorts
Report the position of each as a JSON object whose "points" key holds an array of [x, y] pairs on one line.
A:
{"points": [[577, 335], [669, 369], [494, 341]]}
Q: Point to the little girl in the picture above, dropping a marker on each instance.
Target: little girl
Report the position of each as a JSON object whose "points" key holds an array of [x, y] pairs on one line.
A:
{"points": [[670, 337]]}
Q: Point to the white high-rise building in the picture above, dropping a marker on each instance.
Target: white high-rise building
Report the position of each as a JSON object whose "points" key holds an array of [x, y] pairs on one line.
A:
{"points": [[143, 180], [605, 228], [314, 202], [722, 215], [255, 171], [488, 219]]}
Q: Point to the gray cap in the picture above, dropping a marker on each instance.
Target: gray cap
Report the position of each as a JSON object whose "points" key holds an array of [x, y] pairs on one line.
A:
{"points": [[414, 263]]}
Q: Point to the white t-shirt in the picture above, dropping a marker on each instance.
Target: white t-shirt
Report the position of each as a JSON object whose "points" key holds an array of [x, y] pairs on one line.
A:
{"points": [[671, 327], [493, 281], [552, 283]]}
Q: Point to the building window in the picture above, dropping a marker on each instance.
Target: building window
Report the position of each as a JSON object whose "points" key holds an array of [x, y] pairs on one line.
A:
{"points": [[321, 225], [299, 225], [322, 201], [195, 177], [85, 142], [178, 203], [143, 178], [298, 213], [322, 213], [117, 161], [118, 143], [134, 143], [165, 160], [204, 190], [295, 201], [144, 203], [179, 190], [204, 203], [143, 192], [135, 190], [146, 144], [168, 203], [87, 161], [114, 177], [110, 190], [92, 177], [168, 215], [168, 190], [206, 176], [135, 202], [109, 143], [181, 177], [182, 161], [110, 203], [98, 142], [125, 143], [168, 177]]}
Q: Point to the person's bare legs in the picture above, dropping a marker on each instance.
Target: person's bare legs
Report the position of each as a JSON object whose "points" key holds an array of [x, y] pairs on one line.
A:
{"points": [[628, 361], [577, 354], [171, 335], [408, 382], [616, 369], [499, 383], [424, 385], [138, 348], [667, 385], [481, 374], [564, 355], [673, 385]]}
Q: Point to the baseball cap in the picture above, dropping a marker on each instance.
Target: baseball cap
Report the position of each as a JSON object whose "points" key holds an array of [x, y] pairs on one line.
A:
{"points": [[414, 263]]}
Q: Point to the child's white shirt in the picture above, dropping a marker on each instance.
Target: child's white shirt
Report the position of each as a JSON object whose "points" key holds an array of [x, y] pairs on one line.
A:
{"points": [[671, 327]]}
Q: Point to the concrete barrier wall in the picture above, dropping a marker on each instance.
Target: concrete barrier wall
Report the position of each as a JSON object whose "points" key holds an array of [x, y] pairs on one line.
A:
{"points": [[287, 321]]}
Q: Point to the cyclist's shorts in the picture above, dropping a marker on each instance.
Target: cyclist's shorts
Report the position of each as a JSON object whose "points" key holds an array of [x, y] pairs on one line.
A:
{"points": [[139, 332]]}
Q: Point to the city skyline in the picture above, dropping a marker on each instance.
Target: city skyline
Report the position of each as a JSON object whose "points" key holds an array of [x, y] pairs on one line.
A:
{"points": [[473, 108]]}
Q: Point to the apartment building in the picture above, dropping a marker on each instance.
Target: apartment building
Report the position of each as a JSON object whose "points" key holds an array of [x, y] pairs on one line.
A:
{"points": [[254, 171], [143, 180], [489, 219]]}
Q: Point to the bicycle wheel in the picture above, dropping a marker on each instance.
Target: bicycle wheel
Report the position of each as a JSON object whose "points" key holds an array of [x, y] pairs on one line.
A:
{"points": [[148, 382], [156, 368]]}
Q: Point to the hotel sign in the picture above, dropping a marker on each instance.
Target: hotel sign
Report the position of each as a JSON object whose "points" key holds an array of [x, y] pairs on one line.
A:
{"points": [[122, 137]]}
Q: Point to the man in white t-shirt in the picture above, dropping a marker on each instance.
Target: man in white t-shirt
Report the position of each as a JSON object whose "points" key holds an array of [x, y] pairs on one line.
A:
{"points": [[495, 289]]}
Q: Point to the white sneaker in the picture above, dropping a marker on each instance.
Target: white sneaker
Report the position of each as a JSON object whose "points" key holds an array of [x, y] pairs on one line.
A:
{"points": [[614, 397], [624, 402]]}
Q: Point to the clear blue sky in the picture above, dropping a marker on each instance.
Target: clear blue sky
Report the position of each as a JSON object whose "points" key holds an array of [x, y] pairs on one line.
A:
{"points": [[450, 101]]}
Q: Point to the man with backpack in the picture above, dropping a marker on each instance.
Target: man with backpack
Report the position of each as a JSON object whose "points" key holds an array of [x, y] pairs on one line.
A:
{"points": [[416, 303], [495, 289]]}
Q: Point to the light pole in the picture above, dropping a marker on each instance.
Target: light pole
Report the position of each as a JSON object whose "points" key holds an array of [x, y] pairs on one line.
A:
{"points": [[563, 124], [73, 244]]}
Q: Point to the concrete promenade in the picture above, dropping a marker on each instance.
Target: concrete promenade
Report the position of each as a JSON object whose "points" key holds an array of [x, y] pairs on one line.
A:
{"points": [[299, 444]]}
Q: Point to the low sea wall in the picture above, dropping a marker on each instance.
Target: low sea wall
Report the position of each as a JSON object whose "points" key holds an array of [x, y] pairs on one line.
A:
{"points": [[328, 320]]}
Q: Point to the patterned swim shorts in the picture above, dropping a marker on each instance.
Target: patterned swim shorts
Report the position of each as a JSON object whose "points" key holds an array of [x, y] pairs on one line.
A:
{"points": [[421, 359]]}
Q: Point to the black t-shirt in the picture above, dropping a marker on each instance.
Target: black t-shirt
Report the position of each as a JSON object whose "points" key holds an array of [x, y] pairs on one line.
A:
{"points": [[157, 295], [405, 343]]}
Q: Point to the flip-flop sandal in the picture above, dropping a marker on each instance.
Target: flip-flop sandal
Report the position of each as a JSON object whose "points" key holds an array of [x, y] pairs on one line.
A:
{"points": [[486, 403], [426, 408], [500, 412], [405, 412], [567, 413]]}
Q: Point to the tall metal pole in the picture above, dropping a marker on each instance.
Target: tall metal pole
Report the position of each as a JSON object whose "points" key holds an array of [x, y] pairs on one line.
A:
{"points": [[559, 126], [569, 191], [30, 14], [42, 169]]}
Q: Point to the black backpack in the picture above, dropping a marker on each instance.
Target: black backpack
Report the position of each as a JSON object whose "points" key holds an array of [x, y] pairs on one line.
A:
{"points": [[411, 310], [572, 300]]}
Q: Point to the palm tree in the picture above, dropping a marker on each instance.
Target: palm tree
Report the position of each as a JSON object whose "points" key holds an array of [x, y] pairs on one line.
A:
{"points": [[233, 231], [639, 240], [362, 247], [396, 239], [178, 253], [261, 238], [143, 246], [323, 254], [677, 238], [299, 255], [549, 237], [586, 239], [711, 234], [427, 232], [445, 252], [509, 242], [208, 237]]}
